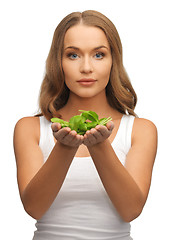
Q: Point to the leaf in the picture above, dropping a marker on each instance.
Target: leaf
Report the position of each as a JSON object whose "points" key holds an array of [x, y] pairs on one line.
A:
{"points": [[101, 121], [104, 121], [79, 123], [81, 132], [75, 121], [57, 120], [82, 127], [62, 122], [90, 115], [91, 125]]}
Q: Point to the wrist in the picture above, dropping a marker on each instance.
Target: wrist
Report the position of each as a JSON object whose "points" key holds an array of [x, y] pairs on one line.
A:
{"points": [[66, 147], [101, 145]]}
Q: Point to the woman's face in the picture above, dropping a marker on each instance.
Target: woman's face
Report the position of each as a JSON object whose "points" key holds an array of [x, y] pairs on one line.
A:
{"points": [[86, 60]]}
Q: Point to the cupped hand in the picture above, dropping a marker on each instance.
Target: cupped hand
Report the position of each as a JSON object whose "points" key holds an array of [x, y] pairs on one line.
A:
{"points": [[66, 136], [98, 134]]}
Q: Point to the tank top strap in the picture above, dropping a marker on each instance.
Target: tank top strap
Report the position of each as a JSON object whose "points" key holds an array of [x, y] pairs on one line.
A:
{"points": [[46, 142], [125, 131], [122, 141]]}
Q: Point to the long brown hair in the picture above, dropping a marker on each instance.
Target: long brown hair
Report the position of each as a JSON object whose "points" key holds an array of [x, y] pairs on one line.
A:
{"points": [[54, 92]]}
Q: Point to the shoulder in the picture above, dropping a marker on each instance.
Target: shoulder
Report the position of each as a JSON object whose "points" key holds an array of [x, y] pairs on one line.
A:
{"points": [[141, 124], [28, 122], [144, 129], [28, 126]]}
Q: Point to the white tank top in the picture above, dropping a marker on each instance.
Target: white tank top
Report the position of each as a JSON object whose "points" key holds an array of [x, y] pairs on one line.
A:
{"points": [[82, 209]]}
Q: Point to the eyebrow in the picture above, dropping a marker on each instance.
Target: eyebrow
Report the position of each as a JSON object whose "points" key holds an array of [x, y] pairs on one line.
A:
{"points": [[76, 48]]}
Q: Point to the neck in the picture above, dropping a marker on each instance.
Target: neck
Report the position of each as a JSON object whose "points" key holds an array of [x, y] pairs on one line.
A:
{"points": [[98, 104]]}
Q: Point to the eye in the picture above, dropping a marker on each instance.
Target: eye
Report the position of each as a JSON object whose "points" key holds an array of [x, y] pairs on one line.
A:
{"points": [[72, 56], [99, 55]]}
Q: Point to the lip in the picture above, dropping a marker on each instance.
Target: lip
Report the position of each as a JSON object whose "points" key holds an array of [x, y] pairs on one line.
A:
{"points": [[86, 80]]}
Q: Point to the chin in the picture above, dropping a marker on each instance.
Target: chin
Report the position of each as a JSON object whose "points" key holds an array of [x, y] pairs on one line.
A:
{"points": [[87, 94]]}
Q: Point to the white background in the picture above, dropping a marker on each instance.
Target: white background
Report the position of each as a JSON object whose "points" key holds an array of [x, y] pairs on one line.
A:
{"points": [[26, 29]]}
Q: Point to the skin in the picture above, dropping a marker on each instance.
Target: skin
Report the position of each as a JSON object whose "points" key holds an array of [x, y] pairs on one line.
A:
{"points": [[86, 61], [39, 182]]}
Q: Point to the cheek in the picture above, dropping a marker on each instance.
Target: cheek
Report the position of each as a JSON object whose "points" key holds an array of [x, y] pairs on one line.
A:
{"points": [[68, 72], [65, 67], [104, 71], [69, 67]]}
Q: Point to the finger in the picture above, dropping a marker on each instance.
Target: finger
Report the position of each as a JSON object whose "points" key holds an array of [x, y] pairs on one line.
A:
{"points": [[102, 129], [71, 136], [97, 134], [62, 133], [85, 138], [80, 138], [73, 139], [86, 141], [90, 137], [77, 140], [56, 127], [110, 126]]}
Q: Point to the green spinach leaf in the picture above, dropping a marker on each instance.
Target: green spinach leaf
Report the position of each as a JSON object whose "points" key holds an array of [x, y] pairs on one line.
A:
{"points": [[80, 123], [90, 115]]}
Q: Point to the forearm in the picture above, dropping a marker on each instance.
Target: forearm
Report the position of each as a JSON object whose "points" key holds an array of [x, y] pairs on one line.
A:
{"points": [[119, 184], [45, 185]]}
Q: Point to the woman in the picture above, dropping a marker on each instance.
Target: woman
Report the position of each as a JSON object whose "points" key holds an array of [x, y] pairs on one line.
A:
{"points": [[91, 186]]}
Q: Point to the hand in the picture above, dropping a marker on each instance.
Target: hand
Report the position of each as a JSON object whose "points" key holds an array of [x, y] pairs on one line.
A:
{"points": [[66, 136], [98, 134]]}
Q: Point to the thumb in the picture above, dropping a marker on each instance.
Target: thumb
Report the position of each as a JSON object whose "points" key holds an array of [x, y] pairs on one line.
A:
{"points": [[56, 127], [110, 125]]}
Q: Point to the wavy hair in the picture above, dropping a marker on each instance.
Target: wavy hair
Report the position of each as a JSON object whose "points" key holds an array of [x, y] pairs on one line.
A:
{"points": [[54, 92]]}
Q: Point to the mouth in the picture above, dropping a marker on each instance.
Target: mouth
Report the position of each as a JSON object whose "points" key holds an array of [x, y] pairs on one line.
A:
{"points": [[86, 81]]}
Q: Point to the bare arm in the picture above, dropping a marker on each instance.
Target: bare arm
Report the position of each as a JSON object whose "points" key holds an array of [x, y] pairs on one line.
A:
{"points": [[127, 186], [40, 182]]}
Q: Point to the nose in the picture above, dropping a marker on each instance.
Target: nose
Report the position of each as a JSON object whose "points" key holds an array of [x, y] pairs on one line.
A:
{"points": [[86, 65]]}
